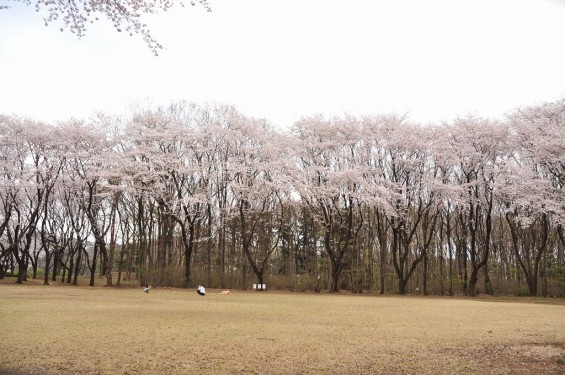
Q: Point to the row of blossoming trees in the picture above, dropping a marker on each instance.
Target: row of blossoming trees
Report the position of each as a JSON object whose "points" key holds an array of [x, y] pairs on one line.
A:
{"points": [[203, 194]]}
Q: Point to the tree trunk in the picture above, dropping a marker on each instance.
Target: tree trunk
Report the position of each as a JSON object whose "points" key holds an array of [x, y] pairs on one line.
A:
{"points": [[188, 241], [465, 275], [71, 267], [527, 243], [55, 264], [450, 247], [383, 241], [48, 256], [22, 270], [425, 276], [382, 266], [222, 246], [121, 263], [487, 285], [473, 282], [93, 265], [110, 259], [77, 266], [402, 286]]}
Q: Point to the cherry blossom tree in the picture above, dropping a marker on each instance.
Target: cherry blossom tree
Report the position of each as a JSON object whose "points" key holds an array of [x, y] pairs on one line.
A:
{"points": [[207, 193], [91, 167], [330, 185], [172, 169], [214, 141], [539, 133], [446, 186], [481, 149], [31, 170], [56, 231], [533, 187], [125, 15], [260, 187], [377, 195], [409, 198]]}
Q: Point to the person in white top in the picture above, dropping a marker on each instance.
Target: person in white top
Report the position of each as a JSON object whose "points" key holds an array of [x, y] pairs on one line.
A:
{"points": [[201, 290]]}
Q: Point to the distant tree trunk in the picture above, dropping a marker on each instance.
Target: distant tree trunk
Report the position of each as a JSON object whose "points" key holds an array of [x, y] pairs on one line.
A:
{"points": [[544, 290], [487, 285], [529, 248], [45, 244], [478, 261], [110, 260], [79, 260], [102, 267], [22, 268], [188, 230], [48, 256], [450, 248], [121, 263], [98, 229], [56, 261], [93, 265], [402, 243], [71, 266], [382, 267], [222, 245], [465, 274], [209, 246], [382, 234], [264, 245], [425, 275], [34, 258], [64, 267]]}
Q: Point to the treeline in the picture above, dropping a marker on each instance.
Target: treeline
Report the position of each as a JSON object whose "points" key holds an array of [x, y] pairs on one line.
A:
{"points": [[204, 194]]}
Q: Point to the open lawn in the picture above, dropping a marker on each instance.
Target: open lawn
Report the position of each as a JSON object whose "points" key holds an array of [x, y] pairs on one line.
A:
{"points": [[82, 330]]}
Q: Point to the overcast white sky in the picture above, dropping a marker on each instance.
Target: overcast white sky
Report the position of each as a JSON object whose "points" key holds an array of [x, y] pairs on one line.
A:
{"points": [[283, 59]]}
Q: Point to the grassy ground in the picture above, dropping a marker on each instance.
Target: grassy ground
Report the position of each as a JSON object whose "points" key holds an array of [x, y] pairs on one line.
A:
{"points": [[81, 330]]}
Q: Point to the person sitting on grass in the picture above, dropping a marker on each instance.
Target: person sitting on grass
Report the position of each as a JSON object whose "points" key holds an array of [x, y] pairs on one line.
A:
{"points": [[146, 288], [201, 291]]}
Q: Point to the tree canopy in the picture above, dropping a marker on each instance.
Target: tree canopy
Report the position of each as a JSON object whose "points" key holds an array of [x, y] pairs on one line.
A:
{"points": [[362, 203], [125, 15]]}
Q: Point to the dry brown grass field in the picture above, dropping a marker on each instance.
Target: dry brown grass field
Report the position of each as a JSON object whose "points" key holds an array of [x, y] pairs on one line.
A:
{"points": [[81, 330]]}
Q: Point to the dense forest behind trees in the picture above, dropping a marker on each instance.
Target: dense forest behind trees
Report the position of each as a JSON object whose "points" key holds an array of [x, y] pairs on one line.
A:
{"points": [[193, 194]]}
